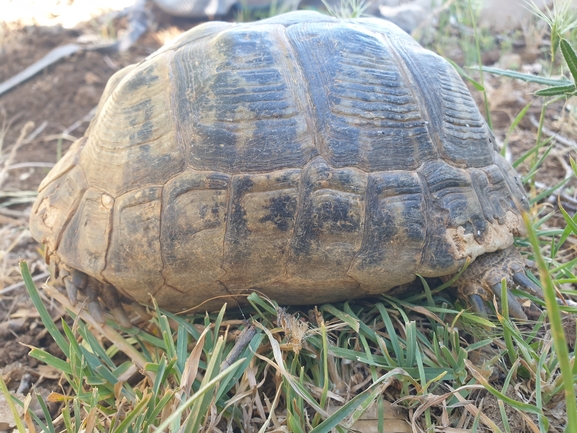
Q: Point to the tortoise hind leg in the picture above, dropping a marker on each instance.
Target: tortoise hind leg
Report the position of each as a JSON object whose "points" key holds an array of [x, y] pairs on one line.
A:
{"points": [[78, 281], [482, 280]]}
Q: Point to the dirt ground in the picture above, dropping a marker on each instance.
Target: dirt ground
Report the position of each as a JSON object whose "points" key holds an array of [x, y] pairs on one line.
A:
{"points": [[53, 108]]}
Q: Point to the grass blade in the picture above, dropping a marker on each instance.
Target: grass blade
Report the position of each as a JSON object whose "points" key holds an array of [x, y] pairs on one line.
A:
{"points": [[44, 315], [332, 421], [136, 411], [557, 332], [556, 90], [8, 397], [530, 78], [570, 57], [197, 395]]}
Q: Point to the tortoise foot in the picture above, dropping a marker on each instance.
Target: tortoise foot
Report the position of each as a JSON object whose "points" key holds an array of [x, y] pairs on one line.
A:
{"points": [[78, 282], [482, 280]]}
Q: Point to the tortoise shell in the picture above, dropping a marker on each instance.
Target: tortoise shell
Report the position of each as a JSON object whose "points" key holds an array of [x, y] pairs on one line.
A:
{"points": [[310, 158]]}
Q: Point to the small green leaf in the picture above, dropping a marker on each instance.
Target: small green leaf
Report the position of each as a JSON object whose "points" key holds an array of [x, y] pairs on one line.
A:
{"points": [[46, 412], [392, 334], [527, 77], [466, 76], [51, 360], [206, 387], [557, 90], [333, 420], [570, 57], [570, 221], [514, 124], [133, 413], [8, 398], [557, 331], [525, 407], [352, 322]]}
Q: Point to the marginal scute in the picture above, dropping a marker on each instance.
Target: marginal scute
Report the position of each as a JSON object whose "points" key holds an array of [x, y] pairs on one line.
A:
{"points": [[134, 260], [452, 204], [493, 193], [395, 231], [85, 239], [194, 212], [496, 237], [55, 205]]}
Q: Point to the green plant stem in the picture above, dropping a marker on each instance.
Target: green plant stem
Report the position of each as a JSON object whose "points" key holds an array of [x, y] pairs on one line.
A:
{"points": [[538, 145], [479, 61], [557, 332], [11, 405]]}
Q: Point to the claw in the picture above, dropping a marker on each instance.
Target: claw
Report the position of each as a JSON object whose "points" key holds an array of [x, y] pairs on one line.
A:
{"points": [[94, 307], [95, 310], [76, 281], [527, 284], [71, 290], [80, 279], [121, 317], [73, 283], [478, 305], [515, 308]]}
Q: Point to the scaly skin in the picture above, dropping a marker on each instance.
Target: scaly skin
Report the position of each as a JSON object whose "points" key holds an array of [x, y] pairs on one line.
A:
{"points": [[482, 280]]}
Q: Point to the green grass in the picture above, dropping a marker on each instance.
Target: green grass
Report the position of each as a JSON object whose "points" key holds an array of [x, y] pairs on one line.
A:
{"points": [[170, 373]]}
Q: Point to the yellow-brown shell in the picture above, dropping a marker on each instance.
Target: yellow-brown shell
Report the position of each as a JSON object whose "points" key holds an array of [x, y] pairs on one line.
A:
{"points": [[310, 158]]}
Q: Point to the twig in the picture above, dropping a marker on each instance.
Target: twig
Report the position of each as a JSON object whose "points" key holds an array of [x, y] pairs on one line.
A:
{"points": [[242, 341], [548, 132], [36, 132], [50, 58], [30, 165], [16, 286], [75, 125], [138, 24], [6, 220], [12, 153], [13, 213]]}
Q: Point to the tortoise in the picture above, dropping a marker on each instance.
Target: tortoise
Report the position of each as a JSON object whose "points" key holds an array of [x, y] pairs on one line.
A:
{"points": [[309, 158]]}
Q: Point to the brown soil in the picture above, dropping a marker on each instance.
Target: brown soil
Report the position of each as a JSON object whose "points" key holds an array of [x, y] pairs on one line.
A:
{"points": [[490, 407], [61, 95]]}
